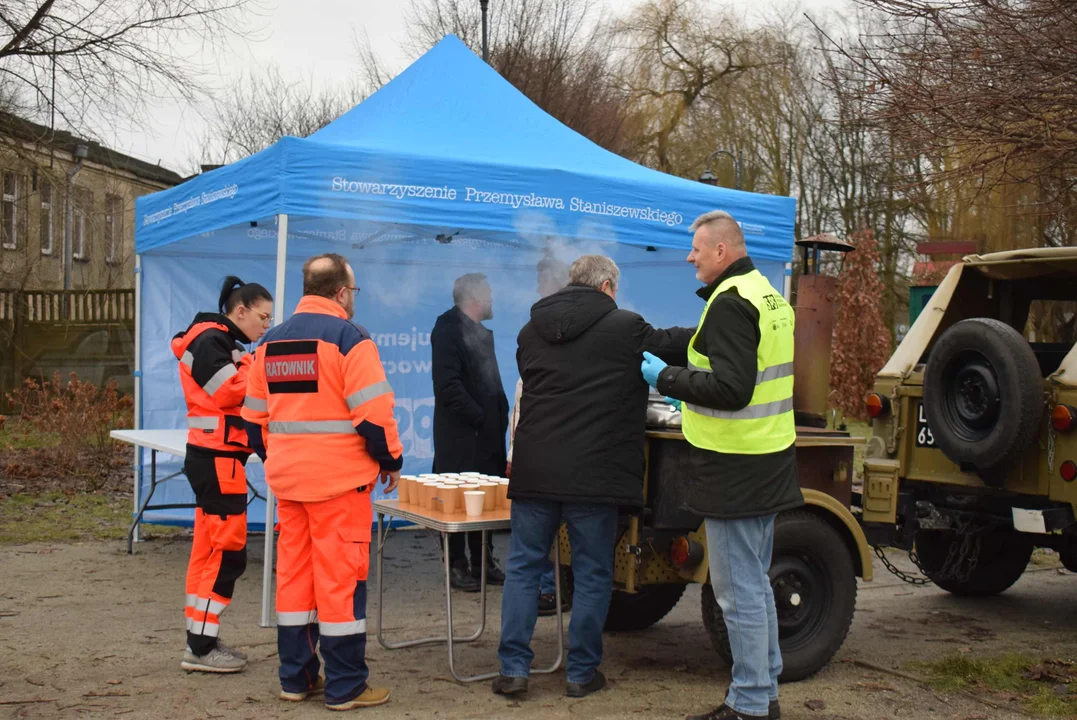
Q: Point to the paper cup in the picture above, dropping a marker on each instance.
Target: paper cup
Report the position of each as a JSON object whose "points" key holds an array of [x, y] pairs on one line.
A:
{"points": [[428, 492], [451, 497], [402, 489], [473, 502], [445, 499], [502, 496], [469, 486], [490, 501], [413, 491], [470, 474], [454, 482]]}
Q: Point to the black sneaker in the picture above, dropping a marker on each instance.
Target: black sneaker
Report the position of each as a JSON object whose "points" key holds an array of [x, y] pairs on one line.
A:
{"points": [[460, 579], [504, 685], [774, 712], [727, 713], [547, 605], [494, 576], [579, 690]]}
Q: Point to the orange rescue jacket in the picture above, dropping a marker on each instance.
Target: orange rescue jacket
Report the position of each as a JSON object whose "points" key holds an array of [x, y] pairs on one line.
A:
{"points": [[213, 369], [318, 389]]}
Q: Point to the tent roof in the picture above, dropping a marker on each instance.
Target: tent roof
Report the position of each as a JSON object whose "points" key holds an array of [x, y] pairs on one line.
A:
{"points": [[450, 104], [449, 146]]}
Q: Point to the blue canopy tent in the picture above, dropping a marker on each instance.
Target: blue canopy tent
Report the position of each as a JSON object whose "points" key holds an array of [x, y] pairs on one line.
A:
{"points": [[446, 170]]}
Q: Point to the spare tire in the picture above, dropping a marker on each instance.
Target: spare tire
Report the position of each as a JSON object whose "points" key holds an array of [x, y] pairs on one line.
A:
{"points": [[983, 395]]}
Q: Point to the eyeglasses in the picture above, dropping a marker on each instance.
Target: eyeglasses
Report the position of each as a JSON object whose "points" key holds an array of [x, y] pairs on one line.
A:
{"points": [[267, 319], [353, 289]]}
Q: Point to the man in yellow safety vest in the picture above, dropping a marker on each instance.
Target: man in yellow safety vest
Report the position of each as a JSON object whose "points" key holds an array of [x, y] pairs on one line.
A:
{"points": [[736, 398]]}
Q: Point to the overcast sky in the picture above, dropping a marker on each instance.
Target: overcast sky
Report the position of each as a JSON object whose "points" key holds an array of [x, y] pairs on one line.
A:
{"points": [[310, 39]]}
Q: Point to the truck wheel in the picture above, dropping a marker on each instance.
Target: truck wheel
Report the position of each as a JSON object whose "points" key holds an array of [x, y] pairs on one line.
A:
{"points": [[814, 583], [1002, 557], [983, 395], [629, 612]]}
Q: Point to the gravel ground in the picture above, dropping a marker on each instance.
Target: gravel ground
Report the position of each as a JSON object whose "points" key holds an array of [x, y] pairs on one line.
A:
{"points": [[87, 631]]}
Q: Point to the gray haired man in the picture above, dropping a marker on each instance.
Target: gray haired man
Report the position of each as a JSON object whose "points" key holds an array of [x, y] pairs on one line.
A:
{"points": [[577, 457]]}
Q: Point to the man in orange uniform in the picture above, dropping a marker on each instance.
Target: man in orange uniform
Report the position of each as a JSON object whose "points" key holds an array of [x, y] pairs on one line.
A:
{"points": [[318, 398]]}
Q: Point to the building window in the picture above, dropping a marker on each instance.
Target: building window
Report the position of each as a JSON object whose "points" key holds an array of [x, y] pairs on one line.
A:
{"points": [[46, 217], [81, 224], [113, 228], [10, 211]]}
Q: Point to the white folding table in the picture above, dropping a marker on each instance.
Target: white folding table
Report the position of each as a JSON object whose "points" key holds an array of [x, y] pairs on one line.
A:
{"points": [[446, 524], [174, 442]]}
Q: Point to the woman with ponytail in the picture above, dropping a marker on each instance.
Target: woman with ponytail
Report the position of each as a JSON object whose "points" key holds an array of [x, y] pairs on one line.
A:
{"points": [[213, 367]]}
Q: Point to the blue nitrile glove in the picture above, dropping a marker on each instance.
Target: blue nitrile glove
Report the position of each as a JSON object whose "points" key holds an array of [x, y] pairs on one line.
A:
{"points": [[674, 402], [650, 368]]}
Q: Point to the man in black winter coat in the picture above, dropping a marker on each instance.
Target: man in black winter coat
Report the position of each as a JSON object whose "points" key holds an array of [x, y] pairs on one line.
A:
{"points": [[577, 457], [471, 412]]}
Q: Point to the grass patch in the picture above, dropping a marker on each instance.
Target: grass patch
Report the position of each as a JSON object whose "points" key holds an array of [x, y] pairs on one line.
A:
{"points": [[1045, 558], [1043, 687], [54, 516], [16, 435]]}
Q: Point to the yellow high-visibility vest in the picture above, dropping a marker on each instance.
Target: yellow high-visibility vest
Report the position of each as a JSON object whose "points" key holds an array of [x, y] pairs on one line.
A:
{"points": [[766, 425]]}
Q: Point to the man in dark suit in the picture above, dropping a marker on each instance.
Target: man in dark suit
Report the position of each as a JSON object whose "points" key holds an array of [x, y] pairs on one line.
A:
{"points": [[471, 412]]}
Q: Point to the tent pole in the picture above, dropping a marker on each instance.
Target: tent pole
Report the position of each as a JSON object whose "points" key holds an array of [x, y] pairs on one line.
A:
{"points": [[278, 318], [137, 468]]}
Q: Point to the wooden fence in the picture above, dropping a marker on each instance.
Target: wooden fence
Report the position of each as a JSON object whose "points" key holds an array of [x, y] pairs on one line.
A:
{"points": [[77, 306], [88, 332]]}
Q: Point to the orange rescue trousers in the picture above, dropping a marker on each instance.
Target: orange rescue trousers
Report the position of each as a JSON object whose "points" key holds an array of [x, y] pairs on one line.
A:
{"points": [[323, 557], [219, 551]]}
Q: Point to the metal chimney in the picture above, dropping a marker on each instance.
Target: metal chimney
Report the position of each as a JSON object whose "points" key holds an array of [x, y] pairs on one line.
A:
{"points": [[814, 331]]}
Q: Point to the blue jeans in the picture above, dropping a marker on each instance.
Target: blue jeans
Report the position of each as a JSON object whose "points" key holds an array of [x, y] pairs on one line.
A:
{"points": [[739, 552], [546, 586], [592, 532]]}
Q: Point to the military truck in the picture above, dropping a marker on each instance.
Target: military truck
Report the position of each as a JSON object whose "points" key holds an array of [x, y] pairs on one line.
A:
{"points": [[973, 459], [819, 550]]}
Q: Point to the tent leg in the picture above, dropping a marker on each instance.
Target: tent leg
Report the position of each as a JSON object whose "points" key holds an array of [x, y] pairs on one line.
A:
{"points": [[267, 563], [137, 465], [278, 318]]}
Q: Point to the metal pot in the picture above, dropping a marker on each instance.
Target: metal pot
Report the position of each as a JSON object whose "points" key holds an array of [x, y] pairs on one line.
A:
{"points": [[661, 414]]}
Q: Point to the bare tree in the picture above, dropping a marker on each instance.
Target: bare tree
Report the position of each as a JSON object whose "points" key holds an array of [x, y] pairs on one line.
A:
{"points": [[558, 53], [262, 108], [678, 58], [105, 59], [985, 86]]}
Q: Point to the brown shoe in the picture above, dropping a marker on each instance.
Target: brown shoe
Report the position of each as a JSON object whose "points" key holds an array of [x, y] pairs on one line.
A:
{"points": [[369, 698], [317, 689]]}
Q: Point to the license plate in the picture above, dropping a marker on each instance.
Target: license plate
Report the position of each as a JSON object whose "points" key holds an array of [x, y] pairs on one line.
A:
{"points": [[924, 438]]}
